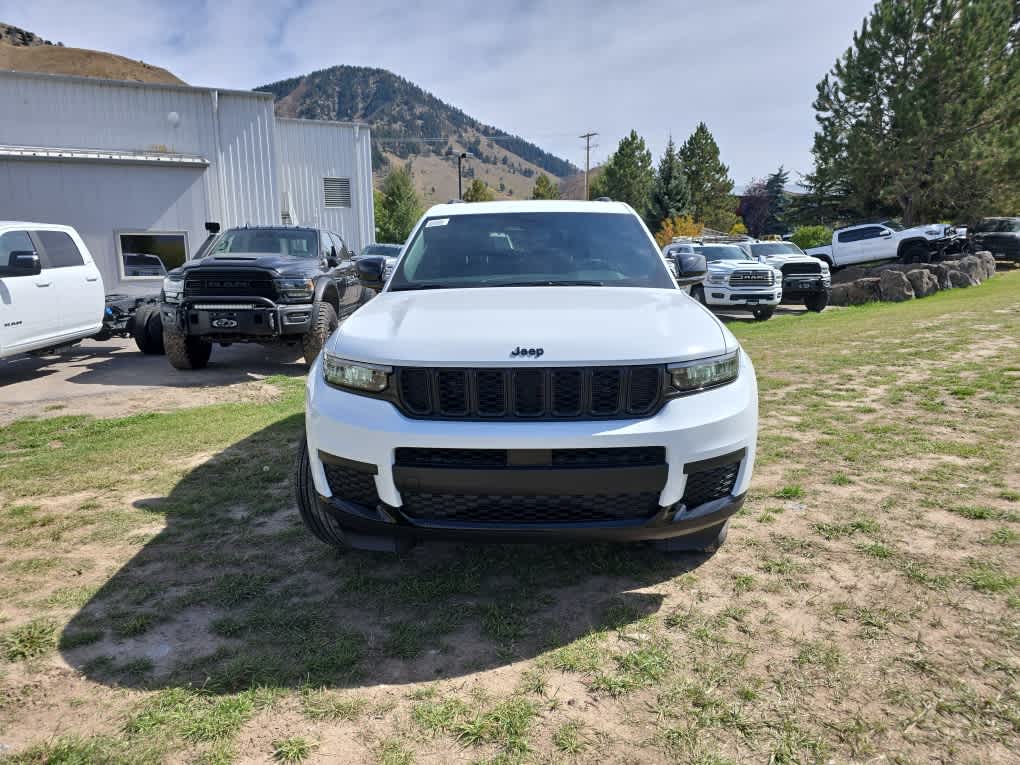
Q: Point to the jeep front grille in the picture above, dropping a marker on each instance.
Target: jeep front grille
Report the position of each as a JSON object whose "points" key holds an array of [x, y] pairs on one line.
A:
{"points": [[530, 393], [202, 282], [752, 278]]}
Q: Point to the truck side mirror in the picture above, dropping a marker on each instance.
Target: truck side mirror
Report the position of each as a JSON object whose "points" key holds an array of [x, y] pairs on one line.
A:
{"points": [[371, 272], [212, 227], [690, 268], [22, 263]]}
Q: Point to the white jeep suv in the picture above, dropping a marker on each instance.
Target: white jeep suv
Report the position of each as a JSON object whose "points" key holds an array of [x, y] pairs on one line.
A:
{"points": [[529, 371]]}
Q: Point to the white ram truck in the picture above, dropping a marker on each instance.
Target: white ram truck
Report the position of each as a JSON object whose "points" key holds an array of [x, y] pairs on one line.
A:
{"points": [[886, 240], [735, 280]]}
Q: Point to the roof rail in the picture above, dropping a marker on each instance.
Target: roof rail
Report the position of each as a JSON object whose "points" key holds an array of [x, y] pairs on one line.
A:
{"points": [[603, 199]]}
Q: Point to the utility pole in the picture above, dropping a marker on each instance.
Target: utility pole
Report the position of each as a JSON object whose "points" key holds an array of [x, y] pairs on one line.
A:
{"points": [[587, 159]]}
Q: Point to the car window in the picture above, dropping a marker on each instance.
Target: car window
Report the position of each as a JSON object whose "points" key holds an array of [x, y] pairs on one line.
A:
{"points": [[61, 251], [341, 248], [871, 232], [716, 252], [14, 241], [776, 248], [852, 235], [531, 249], [298, 243]]}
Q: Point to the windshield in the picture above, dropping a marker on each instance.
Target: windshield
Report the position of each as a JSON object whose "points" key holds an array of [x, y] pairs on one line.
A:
{"points": [[998, 226], [387, 250], [895, 225], [297, 243], [716, 252], [531, 249], [776, 248]]}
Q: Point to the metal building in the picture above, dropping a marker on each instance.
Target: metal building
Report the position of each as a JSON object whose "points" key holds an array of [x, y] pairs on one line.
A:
{"points": [[139, 168]]}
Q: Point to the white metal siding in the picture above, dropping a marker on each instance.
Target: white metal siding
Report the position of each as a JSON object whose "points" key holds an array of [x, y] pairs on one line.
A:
{"points": [[310, 151]]}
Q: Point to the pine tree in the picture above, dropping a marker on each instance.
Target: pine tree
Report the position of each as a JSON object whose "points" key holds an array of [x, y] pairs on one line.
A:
{"points": [[775, 190], [400, 207], [709, 181], [479, 192], [670, 195], [544, 188], [919, 115], [627, 175]]}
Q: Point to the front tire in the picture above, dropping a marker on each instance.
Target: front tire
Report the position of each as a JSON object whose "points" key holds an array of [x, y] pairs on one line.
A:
{"points": [[185, 352], [706, 542], [324, 322], [914, 253], [698, 293], [317, 520], [147, 330], [763, 314], [817, 302]]}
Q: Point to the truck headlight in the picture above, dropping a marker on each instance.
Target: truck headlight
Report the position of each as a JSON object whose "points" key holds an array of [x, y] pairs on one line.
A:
{"points": [[298, 290], [692, 376], [355, 375], [173, 286], [716, 279]]}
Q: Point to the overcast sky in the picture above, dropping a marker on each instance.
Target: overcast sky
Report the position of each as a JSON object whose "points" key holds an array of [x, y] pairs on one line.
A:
{"points": [[547, 71]]}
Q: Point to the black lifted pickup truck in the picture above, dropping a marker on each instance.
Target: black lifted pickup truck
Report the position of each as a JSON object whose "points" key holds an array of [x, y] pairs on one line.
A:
{"points": [[265, 284]]}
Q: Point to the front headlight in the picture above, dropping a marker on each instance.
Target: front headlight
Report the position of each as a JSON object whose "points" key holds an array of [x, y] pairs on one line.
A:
{"points": [[355, 375], [173, 286], [716, 279], [692, 376], [295, 289]]}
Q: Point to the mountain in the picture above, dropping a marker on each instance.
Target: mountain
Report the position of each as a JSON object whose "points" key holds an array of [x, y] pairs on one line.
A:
{"points": [[411, 125], [27, 52]]}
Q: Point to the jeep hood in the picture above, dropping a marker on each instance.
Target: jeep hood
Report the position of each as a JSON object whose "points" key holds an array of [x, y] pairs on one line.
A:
{"points": [[573, 325]]}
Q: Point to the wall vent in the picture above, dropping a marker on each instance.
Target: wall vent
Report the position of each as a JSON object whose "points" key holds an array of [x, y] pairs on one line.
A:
{"points": [[336, 192]]}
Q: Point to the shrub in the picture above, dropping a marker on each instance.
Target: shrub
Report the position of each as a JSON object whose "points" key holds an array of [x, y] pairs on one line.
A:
{"points": [[811, 236]]}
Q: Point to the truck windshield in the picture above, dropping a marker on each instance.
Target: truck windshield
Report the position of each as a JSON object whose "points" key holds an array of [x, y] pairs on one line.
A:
{"points": [[716, 252], [297, 243], [776, 248], [531, 249]]}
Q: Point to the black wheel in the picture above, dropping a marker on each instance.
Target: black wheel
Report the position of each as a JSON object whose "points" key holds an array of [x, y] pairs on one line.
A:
{"points": [[706, 542], [324, 322], [147, 330], [318, 521], [763, 314], [914, 253], [185, 352], [698, 293], [817, 302]]}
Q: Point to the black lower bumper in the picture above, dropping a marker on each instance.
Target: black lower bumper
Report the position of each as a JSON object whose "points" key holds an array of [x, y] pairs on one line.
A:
{"points": [[238, 319]]}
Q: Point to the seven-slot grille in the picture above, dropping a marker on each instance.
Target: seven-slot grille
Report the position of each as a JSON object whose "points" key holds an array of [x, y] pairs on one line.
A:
{"points": [[530, 393], [752, 278], [203, 282], [802, 269]]}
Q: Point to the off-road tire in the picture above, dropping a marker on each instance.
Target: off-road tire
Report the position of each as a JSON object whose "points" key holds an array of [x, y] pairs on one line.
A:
{"points": [[324, 322], [318, 521], [185, 352], [147, 330], [817, 302], [763, 314], [705, 542], [915, 252], [698, 293]]}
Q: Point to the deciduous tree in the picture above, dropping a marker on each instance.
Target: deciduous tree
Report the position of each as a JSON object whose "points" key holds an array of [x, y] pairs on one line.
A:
{"points": [[544, 188], [681, 225], [479, 192]]}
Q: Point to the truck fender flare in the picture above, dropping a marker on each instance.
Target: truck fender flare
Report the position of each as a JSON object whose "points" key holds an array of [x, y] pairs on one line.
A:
{"points": [[913, 240], [327, 290]]}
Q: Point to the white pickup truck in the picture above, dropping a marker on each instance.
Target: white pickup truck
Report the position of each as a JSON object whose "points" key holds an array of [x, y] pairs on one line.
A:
{"points": [[51, 293], [885, 240]]}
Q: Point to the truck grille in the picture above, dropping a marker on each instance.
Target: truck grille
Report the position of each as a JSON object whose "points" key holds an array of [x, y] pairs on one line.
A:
{"points": [[533, 510], [799, 269], [532, 393], [752, 278], [239, 282]]}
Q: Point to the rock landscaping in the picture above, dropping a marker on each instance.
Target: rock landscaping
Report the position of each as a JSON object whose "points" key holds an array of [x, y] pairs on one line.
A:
{"points": [[895, 282]]}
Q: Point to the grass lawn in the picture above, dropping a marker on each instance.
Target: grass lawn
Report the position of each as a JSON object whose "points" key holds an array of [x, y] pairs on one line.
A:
{"points": [[160, 601]]}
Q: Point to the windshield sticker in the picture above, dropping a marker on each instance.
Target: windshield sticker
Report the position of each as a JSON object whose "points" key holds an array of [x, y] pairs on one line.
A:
{"points": [[437, 222]]}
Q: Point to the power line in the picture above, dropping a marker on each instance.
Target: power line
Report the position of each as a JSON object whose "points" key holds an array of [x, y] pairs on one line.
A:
{"points": [[587, 158]]}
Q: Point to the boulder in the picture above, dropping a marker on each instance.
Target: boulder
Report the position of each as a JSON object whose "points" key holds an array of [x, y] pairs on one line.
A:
{"points": [[973, 267], [839, 294], [863, 291], [894, 287], [941, 273], [958, 278], [988, 260], [923, 281]]}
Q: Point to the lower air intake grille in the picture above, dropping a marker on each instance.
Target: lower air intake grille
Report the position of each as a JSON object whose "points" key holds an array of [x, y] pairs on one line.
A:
{"points": [[715, 483], [351, 485], [540, 510]]}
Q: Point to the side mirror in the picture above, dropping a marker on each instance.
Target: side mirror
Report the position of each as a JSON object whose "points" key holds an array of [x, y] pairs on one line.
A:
{"points": [[690, 269], [212, 227], [887, 232], [332, 261], [22, 263], [371, 272]]}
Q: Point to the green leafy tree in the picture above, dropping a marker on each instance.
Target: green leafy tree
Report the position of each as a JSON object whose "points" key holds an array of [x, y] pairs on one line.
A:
{"points": [[477, 191], [544, 188], [709, 181], [778, 202], [381, 226], [627, 175], [919, 116], [811, 236], [400, 208], [670, 195]]}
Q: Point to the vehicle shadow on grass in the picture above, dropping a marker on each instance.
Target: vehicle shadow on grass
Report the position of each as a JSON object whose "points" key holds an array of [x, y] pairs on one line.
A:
{"points": [[233, 592]]}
